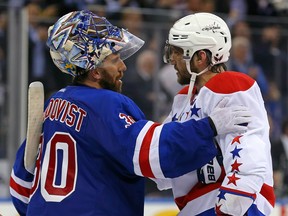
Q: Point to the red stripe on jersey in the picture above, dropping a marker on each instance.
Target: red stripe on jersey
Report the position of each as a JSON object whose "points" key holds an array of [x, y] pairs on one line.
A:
{"points": [[197, 191], [229, 82], [268, 192], [144, 152], [239, 193], [19, 189]]}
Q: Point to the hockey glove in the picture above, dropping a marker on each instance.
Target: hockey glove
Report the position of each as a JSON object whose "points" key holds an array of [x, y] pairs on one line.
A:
{"points": [[230, 119], [211, 172]]}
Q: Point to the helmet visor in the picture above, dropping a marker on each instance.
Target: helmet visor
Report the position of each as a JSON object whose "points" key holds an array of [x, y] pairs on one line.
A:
{"points": [[167, 52], [132, 45]]}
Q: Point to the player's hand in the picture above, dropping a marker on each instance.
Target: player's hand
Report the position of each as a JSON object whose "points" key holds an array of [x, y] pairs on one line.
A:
{"points": [[230, 119], [211, 172]]}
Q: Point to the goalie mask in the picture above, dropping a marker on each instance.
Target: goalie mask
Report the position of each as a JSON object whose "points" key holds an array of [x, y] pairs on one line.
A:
{"points": [[83, 39], [200, 31]]}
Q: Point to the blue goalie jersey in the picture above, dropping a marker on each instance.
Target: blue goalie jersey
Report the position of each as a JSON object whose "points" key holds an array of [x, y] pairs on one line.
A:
{"points": [[94, 152]]}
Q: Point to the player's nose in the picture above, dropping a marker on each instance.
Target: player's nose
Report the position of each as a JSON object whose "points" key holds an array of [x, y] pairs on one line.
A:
{"points": [[123, 67]]}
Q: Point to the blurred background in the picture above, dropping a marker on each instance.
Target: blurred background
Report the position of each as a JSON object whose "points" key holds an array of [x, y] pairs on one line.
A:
{"points": [[260, 47]]}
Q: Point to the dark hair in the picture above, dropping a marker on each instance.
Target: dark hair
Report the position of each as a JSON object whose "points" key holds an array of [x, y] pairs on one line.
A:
{"points": [[81, 75], [215, 68]]}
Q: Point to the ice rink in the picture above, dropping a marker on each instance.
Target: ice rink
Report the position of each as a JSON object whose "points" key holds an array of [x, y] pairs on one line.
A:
{"points": [[155, 207]]}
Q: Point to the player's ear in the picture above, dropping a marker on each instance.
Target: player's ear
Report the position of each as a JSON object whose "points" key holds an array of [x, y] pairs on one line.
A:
{"points": [[202, 57], [96, 74], [198, 58]]}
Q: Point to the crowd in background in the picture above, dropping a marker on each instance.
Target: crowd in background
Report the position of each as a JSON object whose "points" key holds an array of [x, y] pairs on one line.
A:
{"points": [[259, 49]]}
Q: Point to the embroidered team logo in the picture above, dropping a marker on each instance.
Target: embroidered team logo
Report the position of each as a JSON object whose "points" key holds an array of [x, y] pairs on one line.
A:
{"points": [[128, 119], [217, 59]]}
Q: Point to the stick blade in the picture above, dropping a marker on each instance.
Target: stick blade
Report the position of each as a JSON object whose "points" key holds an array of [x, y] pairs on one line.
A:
{"points": [[34, 124]]}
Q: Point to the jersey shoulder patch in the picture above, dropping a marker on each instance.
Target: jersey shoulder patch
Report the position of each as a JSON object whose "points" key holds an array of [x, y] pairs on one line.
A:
{"points": [[229, 82]]}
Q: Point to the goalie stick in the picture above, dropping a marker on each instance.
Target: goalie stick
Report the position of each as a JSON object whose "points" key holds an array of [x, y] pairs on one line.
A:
{"points": [[34, 124]]}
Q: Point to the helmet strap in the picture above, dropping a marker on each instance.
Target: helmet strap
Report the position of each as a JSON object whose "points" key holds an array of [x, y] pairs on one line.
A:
{"points": [[192, 82], [193, 77]]}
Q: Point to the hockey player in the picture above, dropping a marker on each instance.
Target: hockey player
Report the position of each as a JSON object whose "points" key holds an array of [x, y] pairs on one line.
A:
{"points": [[198, 47], [96, 144]]}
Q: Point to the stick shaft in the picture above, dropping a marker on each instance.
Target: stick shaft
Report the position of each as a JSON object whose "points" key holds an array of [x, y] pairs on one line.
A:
{"points": [[34, 124]]}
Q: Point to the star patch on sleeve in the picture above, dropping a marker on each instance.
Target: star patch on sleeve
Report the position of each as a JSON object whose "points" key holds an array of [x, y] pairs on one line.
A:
{"points": [[235, 152], [235, 166], [232, 179], [217, 209], [236, 139], [221, 196]]}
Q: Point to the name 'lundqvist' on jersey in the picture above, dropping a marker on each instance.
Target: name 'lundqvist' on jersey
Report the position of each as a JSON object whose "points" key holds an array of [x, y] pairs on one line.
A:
{"points": [[65, 112]]}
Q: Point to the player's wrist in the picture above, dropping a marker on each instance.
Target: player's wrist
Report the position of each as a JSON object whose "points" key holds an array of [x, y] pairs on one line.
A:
{"points": [[212, 125]]}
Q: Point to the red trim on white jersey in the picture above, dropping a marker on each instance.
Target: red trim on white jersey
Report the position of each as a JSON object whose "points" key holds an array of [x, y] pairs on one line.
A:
{"points": [[229, 82]]}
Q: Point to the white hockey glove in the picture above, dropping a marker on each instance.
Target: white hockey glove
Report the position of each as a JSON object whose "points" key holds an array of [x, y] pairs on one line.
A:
{"points": [[230, 119]]}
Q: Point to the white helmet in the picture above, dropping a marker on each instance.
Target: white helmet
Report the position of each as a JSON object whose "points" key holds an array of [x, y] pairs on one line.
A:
{"points": [[83, 39], [201, 31]]}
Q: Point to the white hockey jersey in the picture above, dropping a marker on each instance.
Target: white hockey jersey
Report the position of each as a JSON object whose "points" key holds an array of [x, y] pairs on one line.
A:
{"points": [[246, 185]]}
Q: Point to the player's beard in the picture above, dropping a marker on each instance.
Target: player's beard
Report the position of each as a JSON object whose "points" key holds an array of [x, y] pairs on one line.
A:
{"points": [[183, 80], [107, 82], [184, 76]]}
